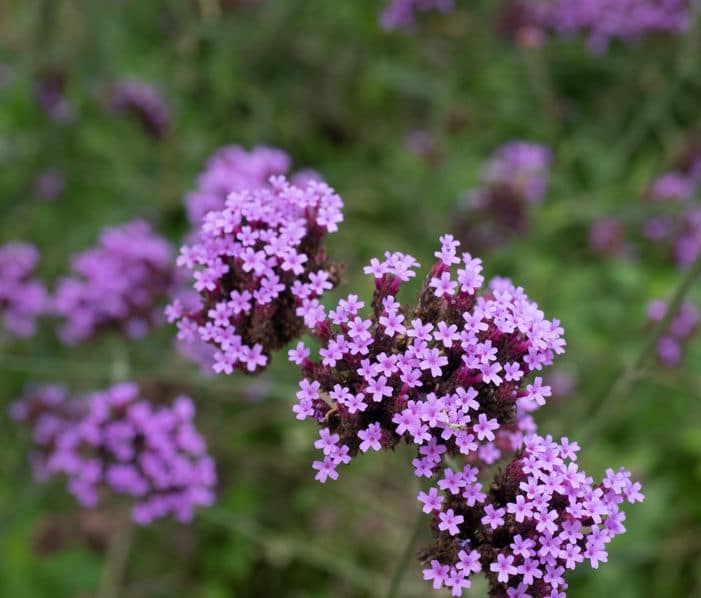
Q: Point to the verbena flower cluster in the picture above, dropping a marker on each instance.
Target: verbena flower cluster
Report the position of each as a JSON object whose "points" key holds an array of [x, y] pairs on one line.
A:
{"points": [[607, 237], [449, 373], [49, 184], [233, 169], [120, 284], [540, 517], [457, 376], [50, 93], [259, 265], [682, 327], [513, 180], [22, 298], [402, 14], [116, 441], [143, 102], [677, 223], [599, 21]]}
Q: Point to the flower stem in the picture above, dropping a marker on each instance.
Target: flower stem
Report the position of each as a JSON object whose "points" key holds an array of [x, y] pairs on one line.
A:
{"points": [[116, 559], [625, 383], [398, 575]]}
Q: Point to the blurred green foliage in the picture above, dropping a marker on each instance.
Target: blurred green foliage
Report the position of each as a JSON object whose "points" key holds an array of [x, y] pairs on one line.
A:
{"points": [[322, 81]]}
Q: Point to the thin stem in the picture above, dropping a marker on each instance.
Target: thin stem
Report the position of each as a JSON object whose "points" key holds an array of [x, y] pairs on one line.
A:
{"points": [[116, 559], [623, 386], [398, 575]]}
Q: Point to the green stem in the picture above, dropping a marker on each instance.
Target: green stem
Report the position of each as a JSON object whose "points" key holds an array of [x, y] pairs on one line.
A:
{"points": [[393, 590], [625, 383], [116, 559]]}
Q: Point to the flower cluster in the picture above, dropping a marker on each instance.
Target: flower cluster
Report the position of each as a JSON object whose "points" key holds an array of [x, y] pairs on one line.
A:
{"points": [[540, 517], [115, 440], [600, 21], [22, 298], [50, 93], [449, 374], [512, 180], [607, 237], [118, 284], [233, 169], [677, 221], [401, 14], [49, 184], [143, 102], [260, 266], [684, 324]]}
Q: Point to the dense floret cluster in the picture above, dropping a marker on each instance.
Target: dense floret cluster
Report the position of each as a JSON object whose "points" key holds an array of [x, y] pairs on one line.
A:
{"points": [[233, 169], [511, 182], [143, 102], [116, 441], [402, 14], [682, 327], [599, 21], [260, 266], [119, 284], [22, 298], [540, 517], [448, 375]]}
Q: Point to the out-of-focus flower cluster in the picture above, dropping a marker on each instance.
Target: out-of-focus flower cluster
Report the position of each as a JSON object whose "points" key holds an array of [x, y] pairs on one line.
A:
{"points": [[259, 265], [120, 284], [512, 181], [448, 374], [402, 14], [539, 517], [599, 21], [118, 442], [677, 223], [143, 102], [684, 324], [22, 298]]}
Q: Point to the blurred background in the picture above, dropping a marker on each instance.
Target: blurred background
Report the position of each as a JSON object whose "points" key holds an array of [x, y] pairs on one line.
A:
{"points": [[402, 125]]}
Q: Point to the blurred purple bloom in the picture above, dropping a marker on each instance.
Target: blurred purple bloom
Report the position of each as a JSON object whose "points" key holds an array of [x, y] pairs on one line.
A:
{"points": [[50, 93], [680, 329], [117, 440], [119, 284], [145, 103], [402, 14], [49, 184], [22, 298]]}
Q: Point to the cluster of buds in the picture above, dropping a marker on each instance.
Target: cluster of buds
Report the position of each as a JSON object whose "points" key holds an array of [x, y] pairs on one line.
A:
{"points": [[259, 265], [513, 180], [540, 517], [684, 324], [116, 441], [22, 298], [144, 103], [402, 14], [599, 21], [448, 375], [122, 283]]}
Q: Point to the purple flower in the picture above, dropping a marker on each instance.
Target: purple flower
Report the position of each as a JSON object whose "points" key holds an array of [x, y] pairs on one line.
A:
{"points": [[119, 284], [513, 180], [601, 21], [22, 298], [543, 516], [683, 326], [115, 440], [438, 383], [233, 169], [401, 14], [259, 265], [49, 185], [143, 102], [50, 93]]}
